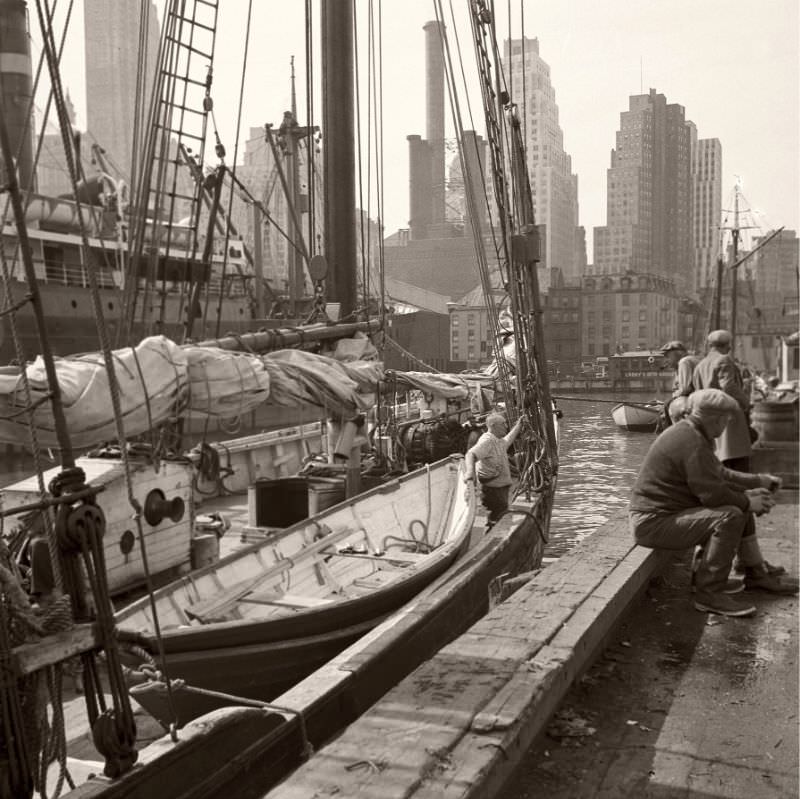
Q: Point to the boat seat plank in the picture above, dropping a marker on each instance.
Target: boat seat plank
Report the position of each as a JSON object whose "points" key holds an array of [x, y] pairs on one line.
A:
{"points": [[285, 600], [403, 558], [219, 606]]}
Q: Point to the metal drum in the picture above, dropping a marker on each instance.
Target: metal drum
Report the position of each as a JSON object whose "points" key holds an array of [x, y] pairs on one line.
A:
{"points": [[776, 422]]}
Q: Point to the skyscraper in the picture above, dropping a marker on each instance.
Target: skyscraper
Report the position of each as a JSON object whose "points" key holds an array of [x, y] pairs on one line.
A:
{"points": [[706, 208], [649, 203], [114, 63], [554, 187]]}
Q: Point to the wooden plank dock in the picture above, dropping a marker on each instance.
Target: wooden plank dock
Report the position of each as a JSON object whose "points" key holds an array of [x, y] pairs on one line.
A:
{"points": [[456, 725]]}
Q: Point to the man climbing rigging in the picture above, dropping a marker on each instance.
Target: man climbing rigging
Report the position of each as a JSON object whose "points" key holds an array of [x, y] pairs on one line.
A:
{"points": [[488, 460]]}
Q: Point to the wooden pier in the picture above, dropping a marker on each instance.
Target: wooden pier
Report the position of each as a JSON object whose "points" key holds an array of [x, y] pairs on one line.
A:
{"points": [[457, 725]]}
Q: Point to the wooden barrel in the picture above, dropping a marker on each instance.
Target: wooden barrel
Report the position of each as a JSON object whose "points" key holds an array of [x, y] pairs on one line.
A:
{"points": [[205, 550], [776, 422]]}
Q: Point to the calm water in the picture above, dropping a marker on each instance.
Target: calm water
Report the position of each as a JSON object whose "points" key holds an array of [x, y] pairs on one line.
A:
{"points": [[599, 463]]}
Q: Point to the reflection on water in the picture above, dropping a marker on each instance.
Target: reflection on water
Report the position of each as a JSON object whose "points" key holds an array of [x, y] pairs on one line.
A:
{"points": [[598, 465]]}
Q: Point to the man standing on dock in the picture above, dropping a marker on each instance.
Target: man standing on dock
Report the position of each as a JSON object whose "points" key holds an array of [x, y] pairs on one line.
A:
{"points": [[488, 460], [684, 497], [719, 370], [684, 364]]}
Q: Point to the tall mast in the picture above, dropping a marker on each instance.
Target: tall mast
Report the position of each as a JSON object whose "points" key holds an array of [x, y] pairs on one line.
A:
{"points": [[291, 133], [339, 166], [734, 286]]}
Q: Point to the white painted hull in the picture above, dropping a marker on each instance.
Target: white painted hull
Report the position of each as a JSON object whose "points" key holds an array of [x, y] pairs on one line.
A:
{"points": [[635, 417]]}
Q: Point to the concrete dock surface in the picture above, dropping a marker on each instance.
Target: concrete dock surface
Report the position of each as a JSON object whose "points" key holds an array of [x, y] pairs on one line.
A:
{"points": [[682, 703]]}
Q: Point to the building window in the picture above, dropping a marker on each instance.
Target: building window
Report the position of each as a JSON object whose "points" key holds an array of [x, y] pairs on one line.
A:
{"points": [[626, 316], [642, 316], [471, 320]]}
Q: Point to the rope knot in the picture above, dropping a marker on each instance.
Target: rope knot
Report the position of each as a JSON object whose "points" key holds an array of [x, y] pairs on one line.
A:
{"points": [[115, 741], [72, 479]]}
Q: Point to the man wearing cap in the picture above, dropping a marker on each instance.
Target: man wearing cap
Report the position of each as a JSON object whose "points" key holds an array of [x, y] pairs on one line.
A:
{"points": [[684, 497], [719, 370], [684, 364]]}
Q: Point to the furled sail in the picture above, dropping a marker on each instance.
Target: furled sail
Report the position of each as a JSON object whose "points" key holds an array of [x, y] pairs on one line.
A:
{"points": [[159, 381]]}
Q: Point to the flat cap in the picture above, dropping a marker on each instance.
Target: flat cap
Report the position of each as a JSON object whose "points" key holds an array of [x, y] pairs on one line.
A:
{"points": [[719, 337], [673, 345], [712, 400]]}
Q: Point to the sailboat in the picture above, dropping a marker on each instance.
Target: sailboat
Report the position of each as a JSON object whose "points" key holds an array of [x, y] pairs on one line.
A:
{"points": [[250, 743]]}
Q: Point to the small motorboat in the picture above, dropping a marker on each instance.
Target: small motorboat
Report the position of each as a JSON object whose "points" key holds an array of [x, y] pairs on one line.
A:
{"points": [[637, 417]]}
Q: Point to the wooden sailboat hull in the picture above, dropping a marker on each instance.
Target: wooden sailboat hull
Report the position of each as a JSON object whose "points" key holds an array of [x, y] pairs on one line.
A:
{"points": [[636, 417], [307, 593], [340, 690]]}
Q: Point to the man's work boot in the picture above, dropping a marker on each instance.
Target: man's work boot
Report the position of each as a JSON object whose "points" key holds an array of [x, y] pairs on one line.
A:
{"points": [[760, 575], [757, 578], [772, 570], [723, 604], [731, 587]]}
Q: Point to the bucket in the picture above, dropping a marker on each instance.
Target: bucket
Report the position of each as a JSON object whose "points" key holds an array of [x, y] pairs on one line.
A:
{"points": [[323, 493], [278, 503], [776, 422], [205, 550]]}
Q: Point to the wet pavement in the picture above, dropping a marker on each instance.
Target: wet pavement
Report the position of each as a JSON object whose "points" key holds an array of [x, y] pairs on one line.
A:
{"points": [[683, 703]]}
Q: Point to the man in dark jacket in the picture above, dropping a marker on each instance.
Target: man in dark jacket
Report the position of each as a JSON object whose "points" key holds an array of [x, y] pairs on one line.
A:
{"points": [[684, 497]]}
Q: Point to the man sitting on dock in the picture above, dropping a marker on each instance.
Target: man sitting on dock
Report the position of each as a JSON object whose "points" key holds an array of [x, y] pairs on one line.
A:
{"points": [[488, 459], [684, 497]]}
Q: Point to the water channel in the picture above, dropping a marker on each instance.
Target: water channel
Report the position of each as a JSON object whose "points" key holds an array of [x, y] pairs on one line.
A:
{"points": [[598, 465]]}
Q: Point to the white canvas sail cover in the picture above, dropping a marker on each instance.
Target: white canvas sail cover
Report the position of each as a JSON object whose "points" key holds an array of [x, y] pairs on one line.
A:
{"points": [[159, 380], [225, 384], [156, 363]]}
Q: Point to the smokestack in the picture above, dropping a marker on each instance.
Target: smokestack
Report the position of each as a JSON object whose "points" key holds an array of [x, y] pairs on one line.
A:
{"points": [[474, 147], [16, 85], [419, 185], [434, 95]]}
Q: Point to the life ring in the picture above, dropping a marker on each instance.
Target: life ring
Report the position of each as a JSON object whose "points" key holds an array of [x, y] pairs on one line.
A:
{"points": [[651, 359]]}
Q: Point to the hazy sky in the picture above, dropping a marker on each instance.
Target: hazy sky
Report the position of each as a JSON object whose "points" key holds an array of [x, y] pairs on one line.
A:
{"points": [[732, 64]]}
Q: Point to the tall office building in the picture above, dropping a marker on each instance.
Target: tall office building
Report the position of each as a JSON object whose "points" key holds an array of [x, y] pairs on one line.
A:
{"points": [[706, 208], [649, 204], [554, 187], [113, 66]]}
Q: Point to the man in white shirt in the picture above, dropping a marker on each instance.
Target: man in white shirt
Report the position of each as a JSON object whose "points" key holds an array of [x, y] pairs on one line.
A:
{"points": [[487, 463]]}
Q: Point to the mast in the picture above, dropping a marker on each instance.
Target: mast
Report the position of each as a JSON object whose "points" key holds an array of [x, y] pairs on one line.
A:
{"points": [[735, 252], [339, 152]]}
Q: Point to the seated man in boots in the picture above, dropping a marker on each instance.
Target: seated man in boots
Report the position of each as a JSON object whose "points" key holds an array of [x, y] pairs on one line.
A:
{"points": [[684, 497]]}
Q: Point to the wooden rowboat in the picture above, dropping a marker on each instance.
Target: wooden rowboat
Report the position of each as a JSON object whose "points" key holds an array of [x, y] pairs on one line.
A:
{"points": [[259, 620], [637, 417]]}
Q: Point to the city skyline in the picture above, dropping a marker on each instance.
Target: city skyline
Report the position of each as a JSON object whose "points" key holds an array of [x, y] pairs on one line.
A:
{"points": [[743, 92]]}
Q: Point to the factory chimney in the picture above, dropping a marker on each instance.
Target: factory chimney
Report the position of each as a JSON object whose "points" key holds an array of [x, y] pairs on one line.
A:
{"points": [[16, 85], [434, 96]]}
